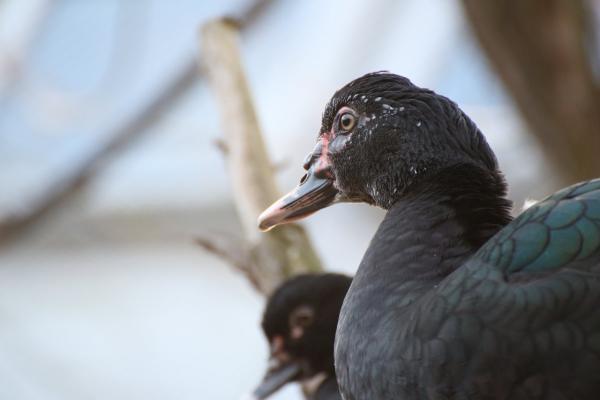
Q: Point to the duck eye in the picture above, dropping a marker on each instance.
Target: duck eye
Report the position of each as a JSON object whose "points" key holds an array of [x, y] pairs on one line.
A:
{"points": [[302, 317], [347, 121]]}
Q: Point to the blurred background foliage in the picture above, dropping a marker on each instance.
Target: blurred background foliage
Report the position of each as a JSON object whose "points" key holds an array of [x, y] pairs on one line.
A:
{"points": [[110, 168]]}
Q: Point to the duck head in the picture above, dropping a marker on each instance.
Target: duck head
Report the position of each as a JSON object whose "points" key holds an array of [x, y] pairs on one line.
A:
{"points": [[299, 322], [379, 135]]}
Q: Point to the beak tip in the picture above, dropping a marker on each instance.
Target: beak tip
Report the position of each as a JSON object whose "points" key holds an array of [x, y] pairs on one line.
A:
{"points": [[266, 221], [308, 197], [264, 226], [276, 379]]}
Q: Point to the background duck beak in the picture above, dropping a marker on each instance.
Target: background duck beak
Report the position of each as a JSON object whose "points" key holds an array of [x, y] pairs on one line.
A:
{"points": [[275, 379], [313, 193]]}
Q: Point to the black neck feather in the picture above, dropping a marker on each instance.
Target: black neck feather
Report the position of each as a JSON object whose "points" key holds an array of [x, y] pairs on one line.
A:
{"points": [[475, 195], [432, 229]]}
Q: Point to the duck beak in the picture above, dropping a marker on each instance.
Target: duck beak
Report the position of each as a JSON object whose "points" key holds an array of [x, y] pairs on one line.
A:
{"points": [[275, 378], [315, 191]]}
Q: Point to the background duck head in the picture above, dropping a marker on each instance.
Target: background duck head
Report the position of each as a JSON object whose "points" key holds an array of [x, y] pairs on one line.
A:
{"points": [[299, 322]]}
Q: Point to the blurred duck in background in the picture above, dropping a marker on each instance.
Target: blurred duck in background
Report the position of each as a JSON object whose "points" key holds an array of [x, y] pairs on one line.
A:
{"points": [[299, 322]]}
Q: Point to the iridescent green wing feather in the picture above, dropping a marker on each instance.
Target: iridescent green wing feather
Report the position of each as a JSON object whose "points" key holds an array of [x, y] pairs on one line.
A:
{"points": [[526, 305], [562, 229]]}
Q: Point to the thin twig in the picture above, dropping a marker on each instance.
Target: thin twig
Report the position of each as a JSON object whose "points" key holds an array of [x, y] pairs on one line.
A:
{"points": [[234, 253]]}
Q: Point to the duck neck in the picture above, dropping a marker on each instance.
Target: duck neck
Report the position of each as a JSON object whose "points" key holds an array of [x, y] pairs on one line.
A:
{"points": [[440, 222]]}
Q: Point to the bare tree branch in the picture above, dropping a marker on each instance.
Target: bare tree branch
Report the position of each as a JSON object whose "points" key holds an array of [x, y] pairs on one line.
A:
{"points": [[250, 169], [129, 131], [540, 49], [124, 135], [284, 251]]}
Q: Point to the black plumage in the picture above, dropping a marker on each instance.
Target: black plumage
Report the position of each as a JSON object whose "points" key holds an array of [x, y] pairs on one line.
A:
{"points": [[299, 322], [452, 300]]}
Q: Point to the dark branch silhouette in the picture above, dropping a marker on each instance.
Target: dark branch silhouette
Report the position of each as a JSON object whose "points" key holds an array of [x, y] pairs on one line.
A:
{"points": [[543, 51]]}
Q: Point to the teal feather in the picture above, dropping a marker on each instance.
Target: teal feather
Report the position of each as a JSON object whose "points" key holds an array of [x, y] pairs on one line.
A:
{"points": [[561, 229]]}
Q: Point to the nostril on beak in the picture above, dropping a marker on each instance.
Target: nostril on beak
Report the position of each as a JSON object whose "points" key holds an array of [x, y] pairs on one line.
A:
{"points": [[303, 179]]}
